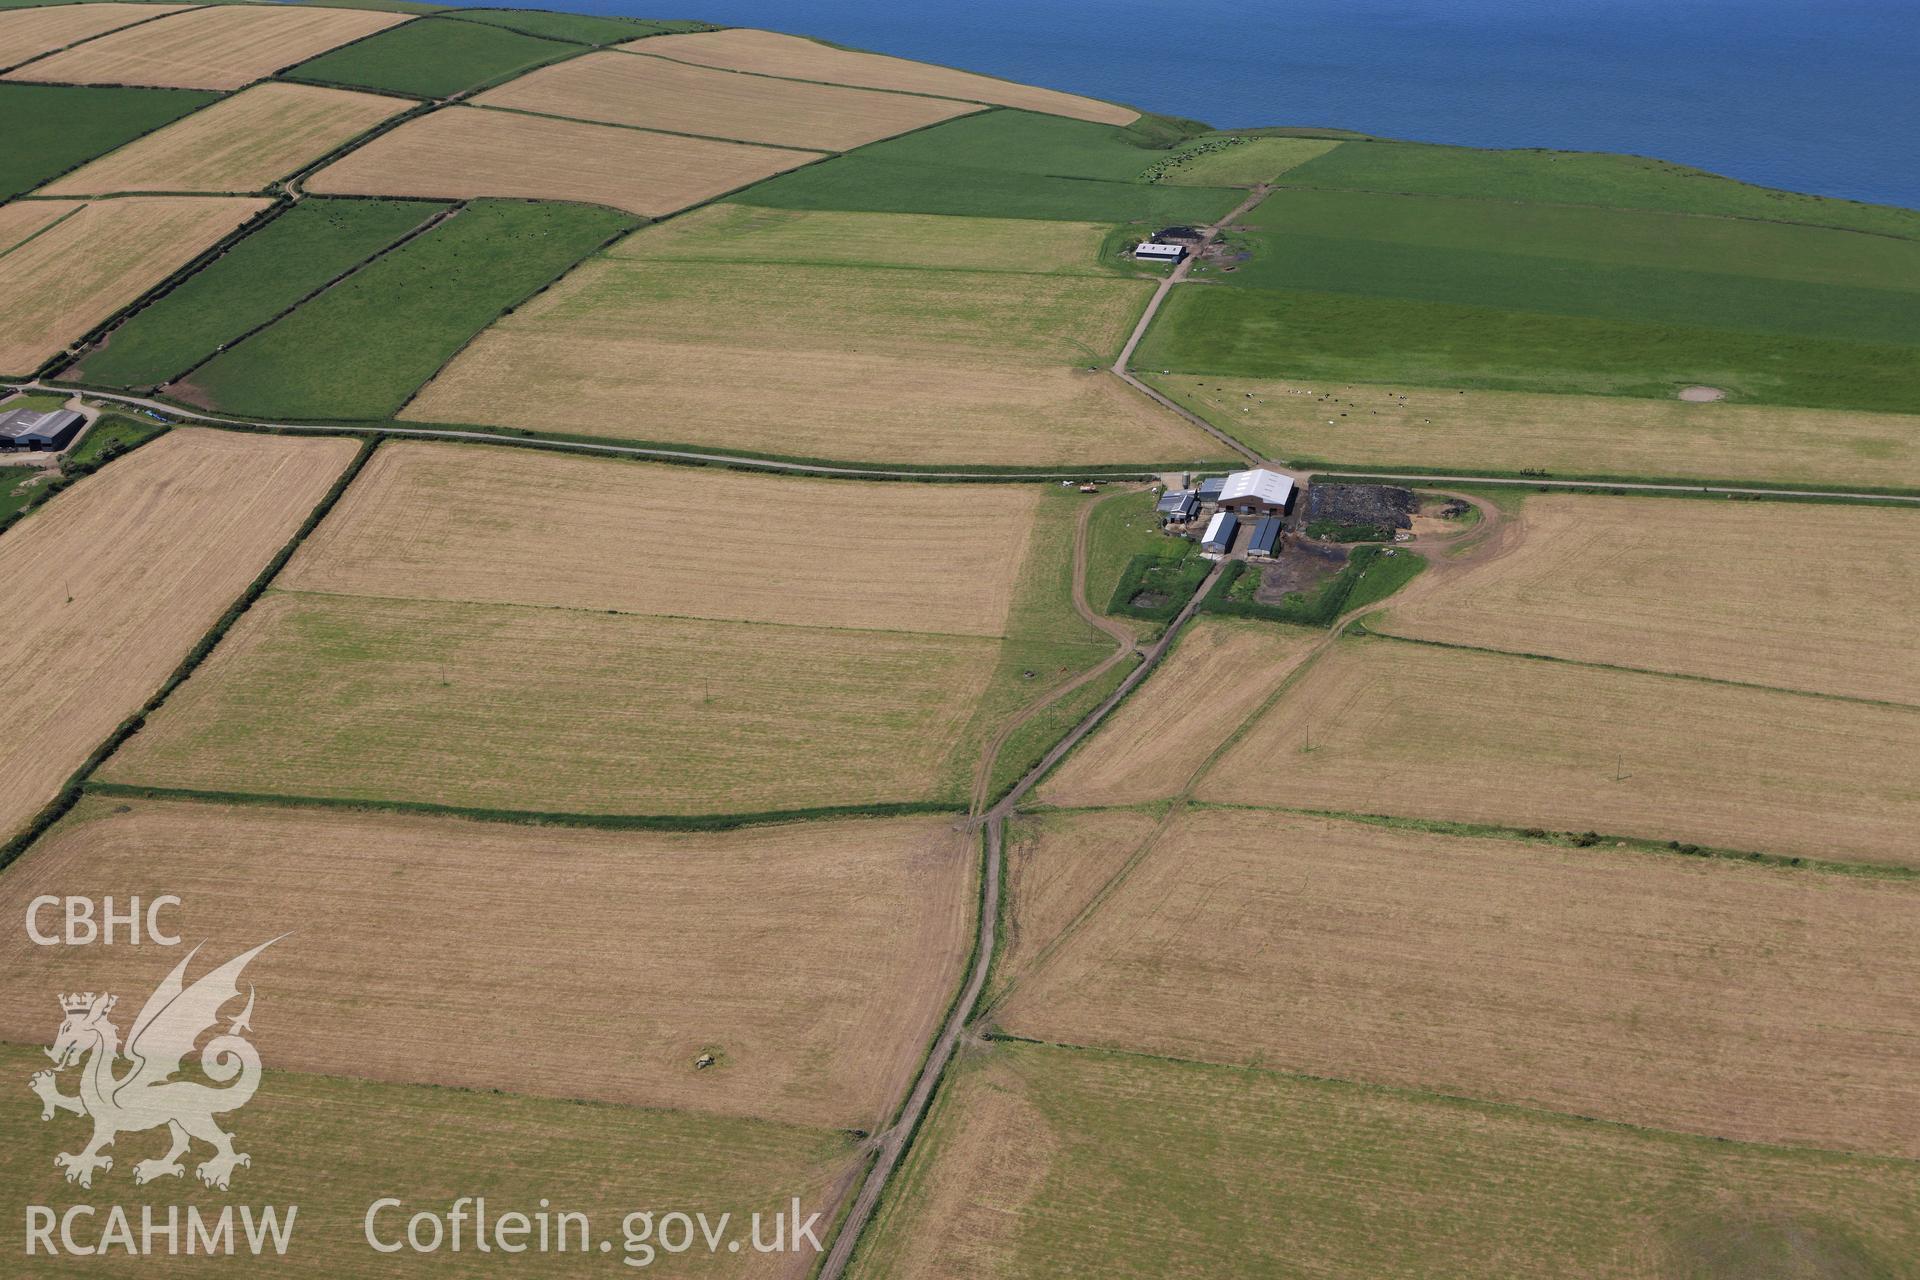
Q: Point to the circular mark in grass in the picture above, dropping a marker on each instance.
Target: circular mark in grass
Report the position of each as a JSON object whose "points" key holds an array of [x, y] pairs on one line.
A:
{"points": [[1700, 395]]}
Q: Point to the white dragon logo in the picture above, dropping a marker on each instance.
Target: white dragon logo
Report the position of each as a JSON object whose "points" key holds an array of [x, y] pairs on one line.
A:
{"points": [[147, 1096]]}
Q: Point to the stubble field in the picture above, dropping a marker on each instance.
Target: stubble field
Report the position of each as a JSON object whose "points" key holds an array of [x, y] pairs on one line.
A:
{"points": [[772, 54], [545, 961], [1761, 1004], [471, 151], [1148, 749], [1057, 867], [510, 630], [935, 367], [1048, 1161], [109, 585], [335, 1146], [562, 710], [1416, 731], [654, 93], [1502, 432], [219, 47], [76, 273], [1800, 597], [240, 144], [28, 33], [472, 523]]}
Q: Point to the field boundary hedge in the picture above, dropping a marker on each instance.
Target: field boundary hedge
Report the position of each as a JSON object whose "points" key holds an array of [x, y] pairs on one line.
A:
{"points": [[1590, 840], [428, 224], [530, 817], [77, 782]]}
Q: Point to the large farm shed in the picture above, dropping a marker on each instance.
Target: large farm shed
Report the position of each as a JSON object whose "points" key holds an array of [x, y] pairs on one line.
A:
{"points": [[1256, 493], [28, 429]]}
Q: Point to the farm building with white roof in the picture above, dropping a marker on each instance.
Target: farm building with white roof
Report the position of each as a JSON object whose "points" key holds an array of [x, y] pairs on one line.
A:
{"points": [[1256, 493]]}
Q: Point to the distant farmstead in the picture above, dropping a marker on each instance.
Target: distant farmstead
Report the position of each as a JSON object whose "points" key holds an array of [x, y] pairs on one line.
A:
{"points": [[1151, 252], [1256, 493], [31, 429]]}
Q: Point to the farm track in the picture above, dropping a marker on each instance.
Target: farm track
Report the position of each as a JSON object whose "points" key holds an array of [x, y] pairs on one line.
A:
{"points": [[1178, 274], [1121, 635], [1490, 538]]}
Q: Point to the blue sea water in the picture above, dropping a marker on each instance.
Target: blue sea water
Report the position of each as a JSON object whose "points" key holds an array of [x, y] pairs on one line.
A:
{"points": [[1811, 95]]}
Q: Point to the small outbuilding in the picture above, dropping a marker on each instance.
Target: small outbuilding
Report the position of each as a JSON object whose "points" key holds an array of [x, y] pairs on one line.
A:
{"points": [[1181, 235], [1177, 506], [1256, 493], [1265, 543], [1151, 251], [33, 429], [1218, 540], [1208, 490]]}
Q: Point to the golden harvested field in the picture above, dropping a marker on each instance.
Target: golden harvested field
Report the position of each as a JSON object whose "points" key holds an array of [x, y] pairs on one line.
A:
{"points": [[108, 586], [68, 279], [221, 47], [1566, 435], [28, 33], [1042, 1161], [1416, 731], [562, 710], [1057, 865], [22, 220], [476, 523], [829, 362], [240, 143], [653, 93], [1711, 997], [826, 237], [1824, 598], [333, 1147], [771, 54], [546, 961], [1219, 672], [469, 151]]}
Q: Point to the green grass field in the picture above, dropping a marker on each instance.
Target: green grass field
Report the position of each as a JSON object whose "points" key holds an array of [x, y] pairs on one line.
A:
{"points": [[577, 27], [1661, 268], [1237, 160], [258, 278], [820, 237], [1563, 177], [112, 435], [1043, 1161], [53, 128], [361, 349], [432, 58], [1007, 164], [1326, 336]]}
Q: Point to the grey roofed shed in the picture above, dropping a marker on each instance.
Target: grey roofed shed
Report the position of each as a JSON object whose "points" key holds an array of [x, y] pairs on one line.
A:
{"points": [[1209, 490], [1178, 504], [1219, 535], [32, 429], [1266, 537]]}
